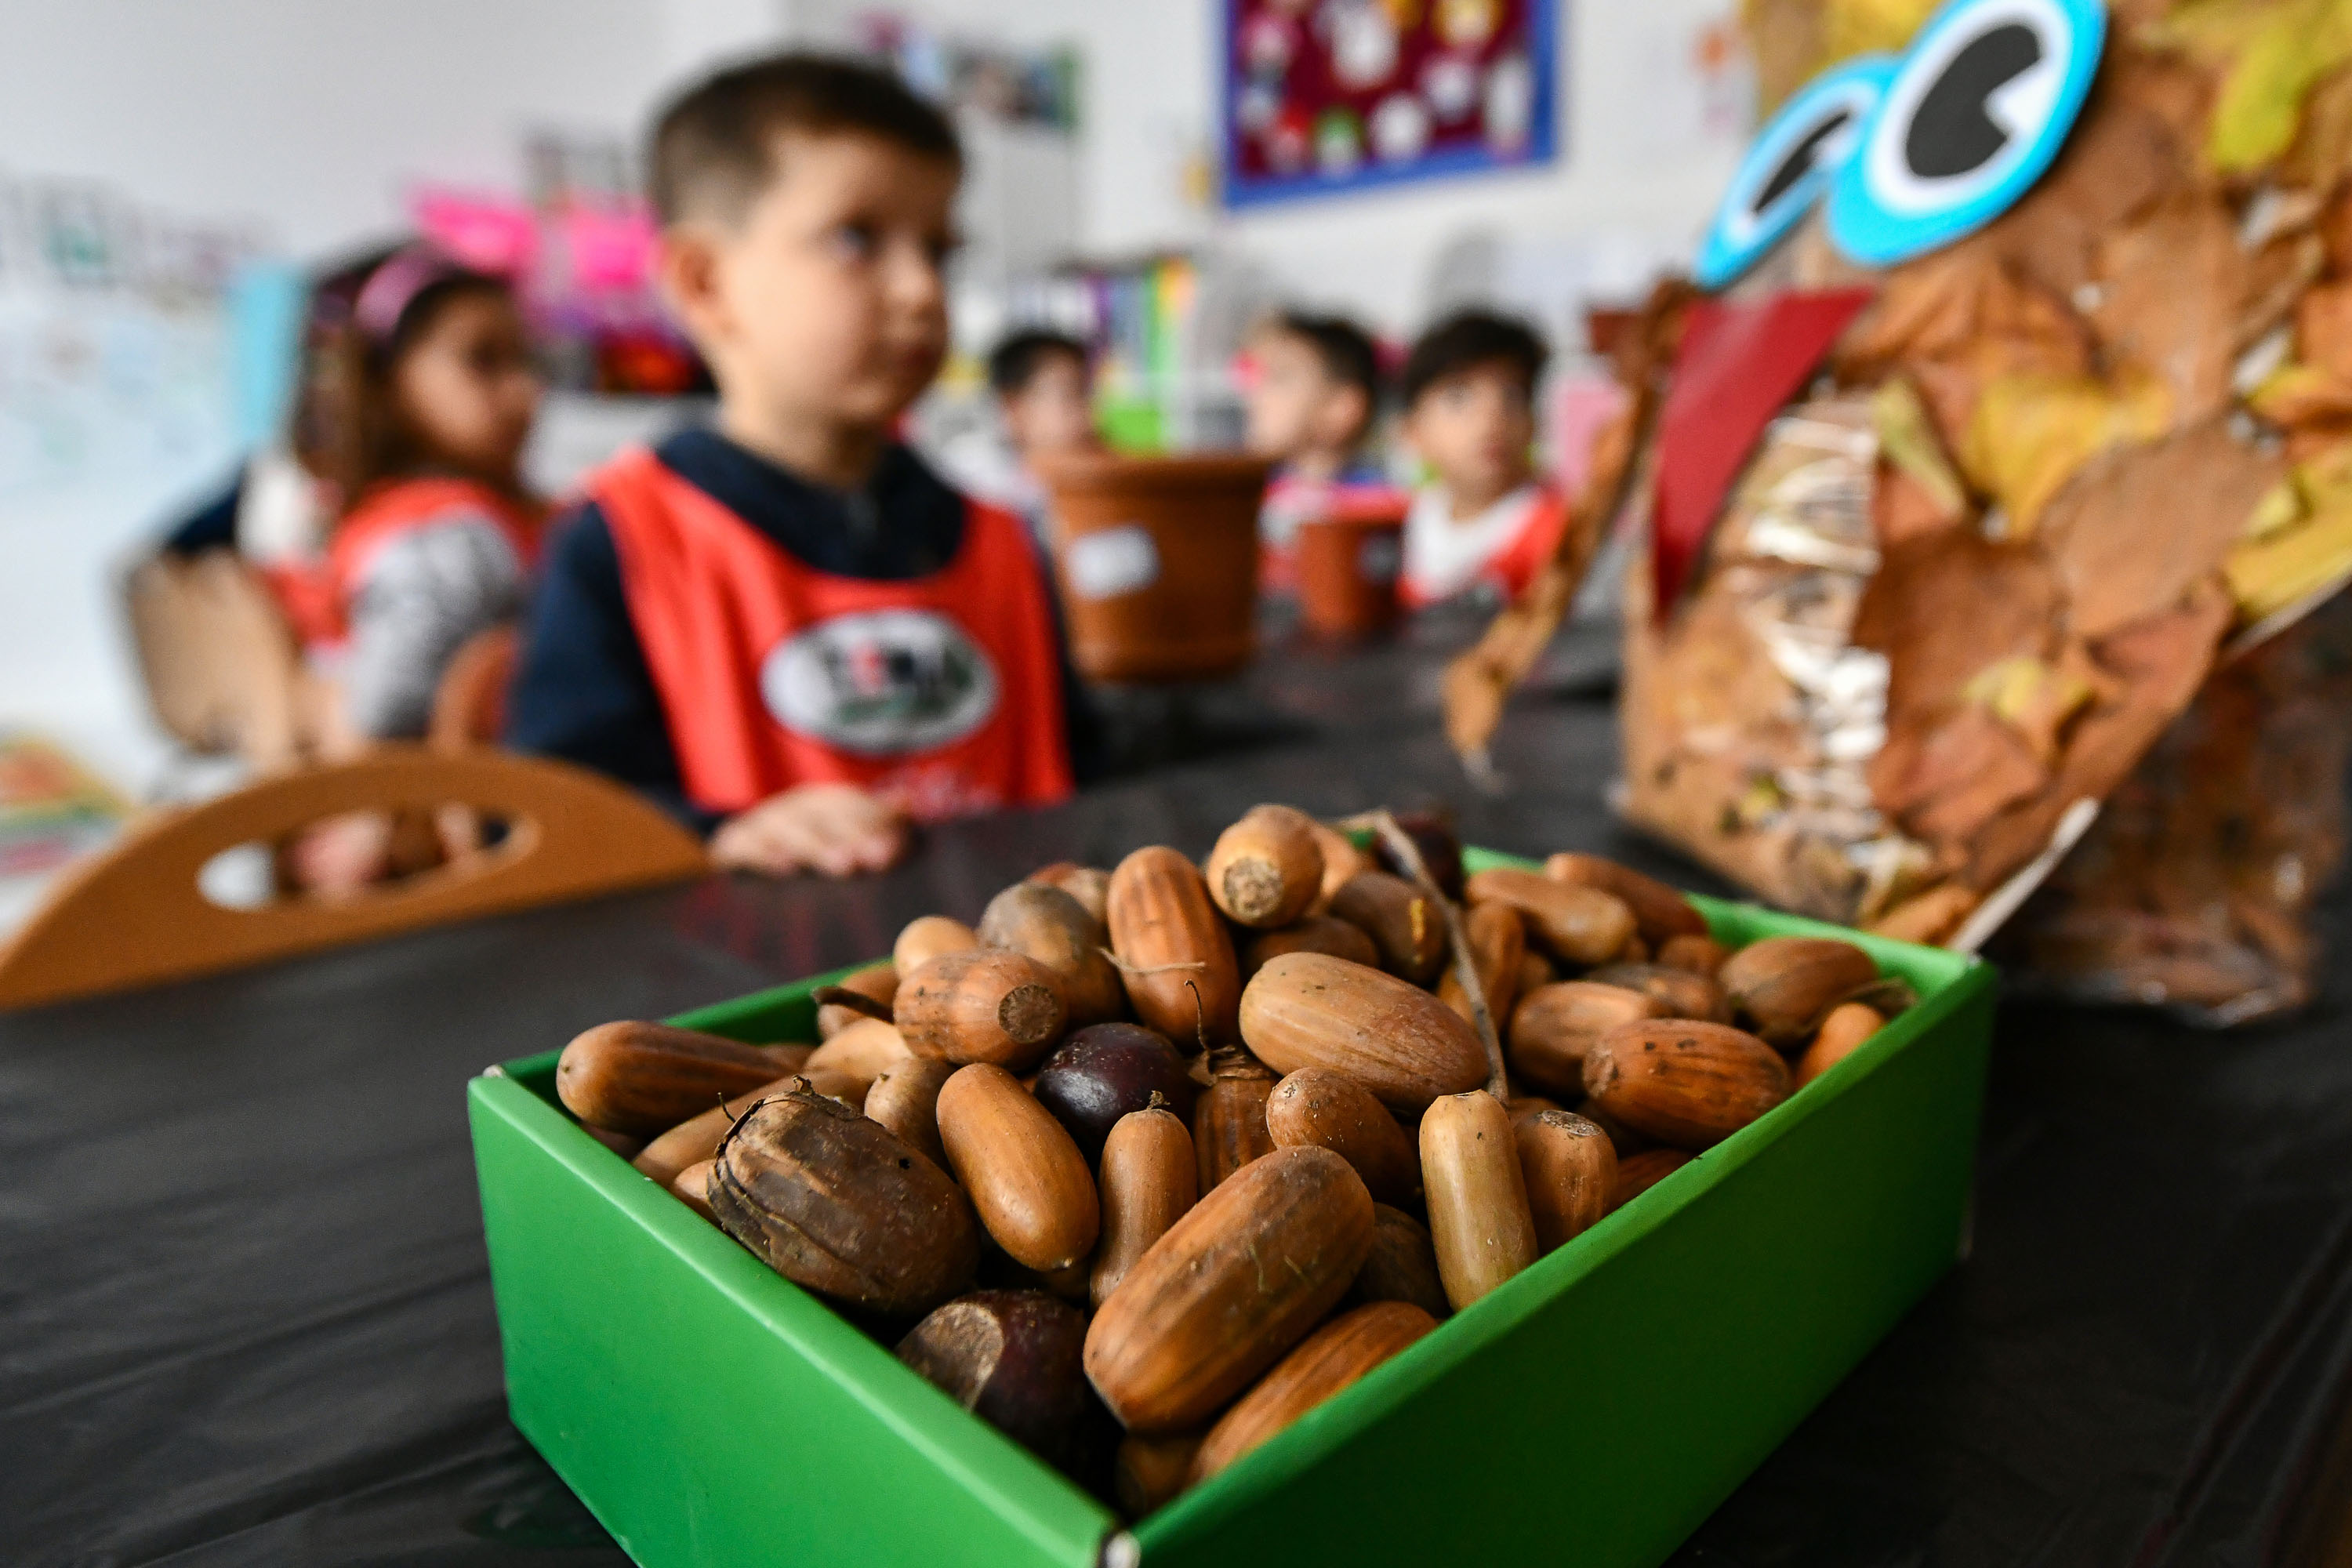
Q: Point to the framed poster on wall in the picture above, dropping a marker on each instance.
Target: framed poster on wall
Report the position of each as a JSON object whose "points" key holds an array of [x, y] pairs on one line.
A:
{"points": [[1337, 95]]}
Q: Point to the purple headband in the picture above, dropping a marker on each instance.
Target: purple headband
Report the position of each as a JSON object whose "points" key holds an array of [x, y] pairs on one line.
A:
{"points": [[394, 285]]}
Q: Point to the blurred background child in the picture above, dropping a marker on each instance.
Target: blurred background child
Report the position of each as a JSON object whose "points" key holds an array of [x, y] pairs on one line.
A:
{"points": [[427, 403], [1313, 396], [1483, 522], [1043, 387]]}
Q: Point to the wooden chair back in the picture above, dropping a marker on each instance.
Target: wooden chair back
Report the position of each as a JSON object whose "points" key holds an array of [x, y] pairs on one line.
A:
{"points": [[219, 662], [135, 916]]}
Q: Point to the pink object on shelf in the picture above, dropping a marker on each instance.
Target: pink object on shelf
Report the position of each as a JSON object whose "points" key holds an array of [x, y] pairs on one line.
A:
{"points": [[487, 233], [609, 249]]}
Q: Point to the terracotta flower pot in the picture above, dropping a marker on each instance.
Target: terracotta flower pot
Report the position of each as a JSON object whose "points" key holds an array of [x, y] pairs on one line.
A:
{"points": [[1157, 563], [1348, 566]]}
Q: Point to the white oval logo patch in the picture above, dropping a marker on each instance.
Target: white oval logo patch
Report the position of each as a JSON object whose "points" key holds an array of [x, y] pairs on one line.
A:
{"points": [[882, 683]]}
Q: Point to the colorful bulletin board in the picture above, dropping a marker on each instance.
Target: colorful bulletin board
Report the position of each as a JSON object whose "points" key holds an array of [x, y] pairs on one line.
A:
{"points": [[1337, 95]]}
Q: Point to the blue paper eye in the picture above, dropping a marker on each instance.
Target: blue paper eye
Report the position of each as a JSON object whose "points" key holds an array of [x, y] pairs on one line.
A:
{"points": [[1789, 165], [1975, 113]]}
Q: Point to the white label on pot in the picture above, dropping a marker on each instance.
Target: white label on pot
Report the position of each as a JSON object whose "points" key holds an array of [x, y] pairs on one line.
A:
{"points": [[1378, 558], [1114, 561]]}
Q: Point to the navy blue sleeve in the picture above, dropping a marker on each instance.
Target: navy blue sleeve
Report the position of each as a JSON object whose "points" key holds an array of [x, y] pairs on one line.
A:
{"points": [[582, 690], [214, 527]]}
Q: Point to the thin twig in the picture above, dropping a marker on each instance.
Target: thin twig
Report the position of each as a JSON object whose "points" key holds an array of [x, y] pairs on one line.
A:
{"points": [[1400, 844], [856, 1001]]}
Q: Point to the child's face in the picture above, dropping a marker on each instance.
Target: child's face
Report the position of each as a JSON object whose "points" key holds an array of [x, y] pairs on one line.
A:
{"points": [[465, 387], [1295, 409], [1473, 428], [827, 305], [1053, 411]]}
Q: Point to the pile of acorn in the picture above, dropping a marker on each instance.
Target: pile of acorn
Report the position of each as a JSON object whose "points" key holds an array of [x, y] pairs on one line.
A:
{"points": [[1223, 1137]]}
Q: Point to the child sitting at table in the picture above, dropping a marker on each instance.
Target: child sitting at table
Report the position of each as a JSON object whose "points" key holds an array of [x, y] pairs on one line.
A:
{"points": [[1043, 384], [1314, 392], [787, 628], [1484, 523], [429, 395]]}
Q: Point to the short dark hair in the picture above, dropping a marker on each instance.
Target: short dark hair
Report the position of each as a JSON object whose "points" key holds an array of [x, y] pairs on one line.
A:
{"points": [[1019, 357], [1346, 350], [714, 146], [1470, 338]]}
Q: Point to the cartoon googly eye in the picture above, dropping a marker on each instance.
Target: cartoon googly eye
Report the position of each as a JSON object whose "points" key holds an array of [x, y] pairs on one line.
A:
{"points": [[1975, 113], [1789, 165]]}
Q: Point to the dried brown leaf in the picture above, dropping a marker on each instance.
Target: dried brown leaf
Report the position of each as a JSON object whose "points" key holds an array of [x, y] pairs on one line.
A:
{"points": [[2168, 286], [2323, 328], [2122, 157], [2274, 279], [1943, 606], [1961, 773], [2131, 533], [2156, 664], [2030, 434]]}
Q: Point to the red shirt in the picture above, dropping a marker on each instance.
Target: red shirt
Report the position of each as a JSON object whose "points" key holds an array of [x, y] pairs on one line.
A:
{"points": [[941, 693]]}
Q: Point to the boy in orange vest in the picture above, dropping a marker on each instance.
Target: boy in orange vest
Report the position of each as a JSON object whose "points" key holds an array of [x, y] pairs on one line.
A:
{"points": [[786, 627]]}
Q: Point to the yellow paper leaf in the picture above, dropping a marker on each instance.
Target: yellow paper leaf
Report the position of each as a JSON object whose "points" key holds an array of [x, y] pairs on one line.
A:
{"points": [[2030, 433], [2268, 575], [2271, 55], [1907, 438], [2281, 507], [2301, 393], [1852, 27]]}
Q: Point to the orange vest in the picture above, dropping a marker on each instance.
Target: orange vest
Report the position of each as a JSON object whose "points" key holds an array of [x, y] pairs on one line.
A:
{"points": [[316, 594], [1515, 565], [942, 694]]}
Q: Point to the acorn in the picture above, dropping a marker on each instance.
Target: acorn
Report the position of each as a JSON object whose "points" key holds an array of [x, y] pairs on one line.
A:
{"points": [[1335, 1355], [1554, 1026], [1848, 1025], [1681, 993], [905, 1097], [1231, 1286], [1309, 1010], [1013, 1358], [1404, 923], [1579, 925], [1148, 1181], [1027, 1180], [1498, 945], [1315, 934], [1478, 1216], [1698, 954], [926, 937], [1334, 1111], [982, 1005], [1401, 1265], [1265, 868], [1087, 884], [1050, 926], [1637, 1173], [1783, 986], [1229, 1126], [1683, 1083], [1571, 1170], [1660, 912], [863, 1051], [1104, 1072], [645, 1078], [1175, 958], [1433, 837], [835, 1203]]}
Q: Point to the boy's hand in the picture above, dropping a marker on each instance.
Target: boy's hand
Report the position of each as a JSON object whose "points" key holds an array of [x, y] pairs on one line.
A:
{"points": [[836, 829]]}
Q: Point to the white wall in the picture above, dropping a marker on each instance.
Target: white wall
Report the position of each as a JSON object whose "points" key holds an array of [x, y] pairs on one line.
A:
{"points": [[1634, 178]]}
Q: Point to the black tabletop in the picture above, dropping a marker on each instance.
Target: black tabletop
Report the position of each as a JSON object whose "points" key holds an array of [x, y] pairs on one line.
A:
{"points": [[245, 1315]]}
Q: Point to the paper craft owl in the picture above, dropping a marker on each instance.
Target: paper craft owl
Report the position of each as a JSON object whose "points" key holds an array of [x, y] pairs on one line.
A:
{"points": [[1996, 485]]}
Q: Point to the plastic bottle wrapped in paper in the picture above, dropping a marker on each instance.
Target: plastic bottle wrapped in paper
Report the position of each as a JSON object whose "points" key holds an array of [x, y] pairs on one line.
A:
{"points": [[1989, 482]]}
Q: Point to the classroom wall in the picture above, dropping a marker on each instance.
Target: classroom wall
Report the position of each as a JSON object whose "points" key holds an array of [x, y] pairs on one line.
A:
{"points": [[1637, 175]]}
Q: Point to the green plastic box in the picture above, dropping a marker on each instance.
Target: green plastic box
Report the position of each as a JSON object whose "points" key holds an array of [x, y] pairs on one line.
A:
{"points": [[1595, 1409]]}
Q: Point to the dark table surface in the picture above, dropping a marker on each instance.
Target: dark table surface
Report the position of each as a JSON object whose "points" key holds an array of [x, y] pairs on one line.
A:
{"points": [[245, 1315]]}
